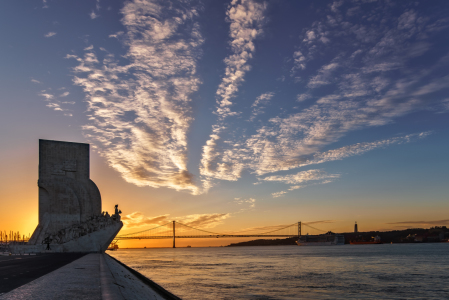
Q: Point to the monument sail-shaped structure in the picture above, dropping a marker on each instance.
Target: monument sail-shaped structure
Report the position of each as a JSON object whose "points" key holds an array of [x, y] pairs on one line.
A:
{"points": [[70, 215]]}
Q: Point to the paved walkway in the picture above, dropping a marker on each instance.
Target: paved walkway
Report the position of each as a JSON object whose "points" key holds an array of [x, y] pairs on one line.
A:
{"points": [[93, 276], [17, 270]]}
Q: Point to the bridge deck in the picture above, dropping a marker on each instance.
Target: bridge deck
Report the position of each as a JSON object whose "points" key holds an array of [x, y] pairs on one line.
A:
{"points": [[198, 236]]}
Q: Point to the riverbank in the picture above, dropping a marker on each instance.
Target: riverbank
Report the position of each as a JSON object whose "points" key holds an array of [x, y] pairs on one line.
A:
{"points": [[93, 276]]}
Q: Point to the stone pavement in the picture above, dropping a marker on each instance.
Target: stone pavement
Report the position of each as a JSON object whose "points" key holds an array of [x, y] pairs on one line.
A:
{"points": [[93, 276], [17, 270]]}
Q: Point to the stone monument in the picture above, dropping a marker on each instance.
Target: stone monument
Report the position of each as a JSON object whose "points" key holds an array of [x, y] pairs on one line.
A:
{"points": [[70, 216]]}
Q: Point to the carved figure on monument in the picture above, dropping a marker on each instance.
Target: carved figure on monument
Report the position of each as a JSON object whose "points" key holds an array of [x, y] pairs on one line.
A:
{"points": [[70, 215], [117, 211], [116, 216]]}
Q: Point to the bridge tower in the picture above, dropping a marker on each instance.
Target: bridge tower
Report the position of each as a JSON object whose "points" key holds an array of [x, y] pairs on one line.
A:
{"points": [[174, 244], [299, 228]]}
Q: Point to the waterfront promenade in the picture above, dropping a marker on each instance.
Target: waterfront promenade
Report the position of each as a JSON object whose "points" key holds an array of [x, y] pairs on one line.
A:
{"points": [[91, 276]]}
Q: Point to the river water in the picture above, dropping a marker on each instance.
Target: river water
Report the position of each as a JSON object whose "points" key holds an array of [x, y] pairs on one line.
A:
{"points": [[387, 271]]}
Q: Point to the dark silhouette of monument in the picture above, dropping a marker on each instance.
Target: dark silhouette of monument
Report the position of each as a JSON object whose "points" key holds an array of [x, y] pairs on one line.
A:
{"points": [[70, 216], [355, 228]]}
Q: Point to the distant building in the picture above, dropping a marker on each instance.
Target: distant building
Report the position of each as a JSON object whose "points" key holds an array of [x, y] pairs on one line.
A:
{"points": [[419, 238], [355, 228]]}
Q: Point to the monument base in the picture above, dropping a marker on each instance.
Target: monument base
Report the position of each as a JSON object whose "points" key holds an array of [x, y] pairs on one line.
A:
{"points": [[97, 241]]}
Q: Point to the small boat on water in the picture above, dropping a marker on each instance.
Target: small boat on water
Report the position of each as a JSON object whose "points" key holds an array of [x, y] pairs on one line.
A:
{"points": [[328, 239], [113, 247]]}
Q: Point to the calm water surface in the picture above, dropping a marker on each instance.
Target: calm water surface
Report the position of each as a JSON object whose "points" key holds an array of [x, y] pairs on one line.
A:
{"points": [[398, 271]]}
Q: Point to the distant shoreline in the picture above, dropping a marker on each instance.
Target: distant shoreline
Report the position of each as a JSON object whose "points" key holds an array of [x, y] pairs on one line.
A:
{"points": [[437, 234]]}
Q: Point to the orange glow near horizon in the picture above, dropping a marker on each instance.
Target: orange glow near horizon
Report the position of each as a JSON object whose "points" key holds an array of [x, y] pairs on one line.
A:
{"points": [[20, 207]]}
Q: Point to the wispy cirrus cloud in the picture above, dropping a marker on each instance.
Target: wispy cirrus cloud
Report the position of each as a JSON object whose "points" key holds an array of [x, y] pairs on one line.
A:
{"points": [[246, 20], [140, 111]]}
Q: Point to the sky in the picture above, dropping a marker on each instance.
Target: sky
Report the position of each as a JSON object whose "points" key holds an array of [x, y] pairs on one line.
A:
{"points": [[231, 115]]}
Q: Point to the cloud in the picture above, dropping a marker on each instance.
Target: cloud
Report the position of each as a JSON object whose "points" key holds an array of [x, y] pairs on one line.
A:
{"points": [[360, 148], [324, 76], [271, 228], [299, 62], [137, 219], [54, 106], [278, 194], [319, 222], [303, 97], [54, 103], [356, 73], [407, 20], [203, 220], [65, 94], [200, 221], [35, 81], [93, 15], [367, 81], [435, 86], [246, 20], [46, 95], [251, 202], [263, 157], [319, 176], [259, 105], [444, 106], [301, 177], [409, 224], [291, 139], [263, 229], [140, 111], [263, 99], [50, 34]]}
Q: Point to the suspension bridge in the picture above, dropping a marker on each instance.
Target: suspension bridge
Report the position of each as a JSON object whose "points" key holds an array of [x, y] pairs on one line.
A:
{"points": [[176, 230]]}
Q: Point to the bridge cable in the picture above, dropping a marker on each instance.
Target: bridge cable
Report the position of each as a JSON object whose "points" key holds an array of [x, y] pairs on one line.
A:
{"points": [[144, 230]]}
